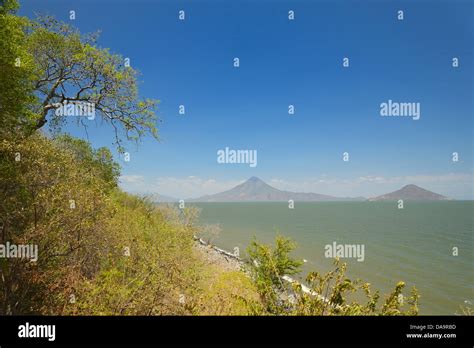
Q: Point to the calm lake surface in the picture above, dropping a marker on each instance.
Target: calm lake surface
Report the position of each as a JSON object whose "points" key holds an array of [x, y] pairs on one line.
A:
{"points": [[414, 244]]}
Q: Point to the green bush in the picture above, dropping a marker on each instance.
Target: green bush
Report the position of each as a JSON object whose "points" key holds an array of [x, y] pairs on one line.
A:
{"points": [[323, 294]]}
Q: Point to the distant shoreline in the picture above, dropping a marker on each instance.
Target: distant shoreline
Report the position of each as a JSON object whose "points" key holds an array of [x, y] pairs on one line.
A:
{"points": [[256, 190]]}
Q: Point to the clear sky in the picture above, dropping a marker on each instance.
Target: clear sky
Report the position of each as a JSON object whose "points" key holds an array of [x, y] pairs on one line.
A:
{"points": [[297, 62]]}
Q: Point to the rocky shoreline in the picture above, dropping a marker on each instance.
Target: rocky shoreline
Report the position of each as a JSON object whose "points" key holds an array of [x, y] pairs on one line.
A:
{"points": [[219, 257], [231, 262]]}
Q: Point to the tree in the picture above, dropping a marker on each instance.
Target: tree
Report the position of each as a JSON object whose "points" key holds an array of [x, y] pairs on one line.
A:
{"points": [[73, 70], [47, 65], [16, 73], [99, 161]]}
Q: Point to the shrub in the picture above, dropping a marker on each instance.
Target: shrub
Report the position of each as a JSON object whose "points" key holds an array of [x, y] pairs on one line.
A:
{"points": [[323, 294]]}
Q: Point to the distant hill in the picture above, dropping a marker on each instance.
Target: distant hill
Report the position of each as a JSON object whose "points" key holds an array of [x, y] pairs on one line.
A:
{"points": [[410, 193], [256, 190]]}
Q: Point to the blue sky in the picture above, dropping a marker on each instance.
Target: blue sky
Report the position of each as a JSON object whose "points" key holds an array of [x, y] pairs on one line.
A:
{"points": [[296, 62]]}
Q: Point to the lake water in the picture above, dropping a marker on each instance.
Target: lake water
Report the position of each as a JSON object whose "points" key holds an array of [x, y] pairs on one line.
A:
{"points": [[414, 244]]}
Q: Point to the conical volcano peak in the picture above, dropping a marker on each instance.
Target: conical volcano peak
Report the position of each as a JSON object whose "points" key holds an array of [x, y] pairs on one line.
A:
{"points": [[254, 179]]}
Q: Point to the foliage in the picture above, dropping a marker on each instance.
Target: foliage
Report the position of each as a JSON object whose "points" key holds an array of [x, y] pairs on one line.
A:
{"points": [[52, 200], [209, 232], [324, 294], [152, 267], [268, 266], [46, 64], [113, 253], [17, 73], [100, 160], [466, 310], [72, 68], [225, 293]]}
